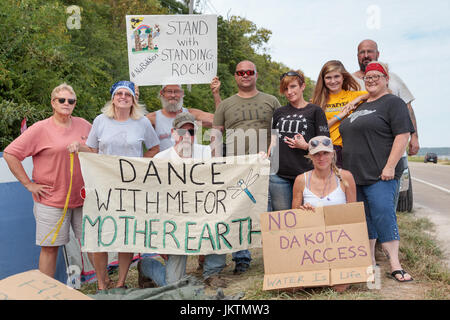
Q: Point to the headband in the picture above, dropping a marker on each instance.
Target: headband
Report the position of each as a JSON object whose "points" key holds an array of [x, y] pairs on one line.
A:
{"points": [[122, 85], [375, 67]]}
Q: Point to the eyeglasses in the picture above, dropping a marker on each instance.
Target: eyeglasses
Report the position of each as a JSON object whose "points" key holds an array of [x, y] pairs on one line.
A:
{"points": [[182, 132], [325, 142], [375, 77], [63, 100], [241, 73], [175, 92], [290, 74]]}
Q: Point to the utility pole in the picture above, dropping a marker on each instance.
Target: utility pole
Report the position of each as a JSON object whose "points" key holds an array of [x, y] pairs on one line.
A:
{"points": [[191, 11]]}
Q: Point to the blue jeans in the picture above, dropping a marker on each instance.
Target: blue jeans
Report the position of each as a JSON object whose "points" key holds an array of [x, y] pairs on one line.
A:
{"points": [[155, 270], [172, 271], [214, 264], [242, 257], [175, 268], [280, 190], [379, 207]]}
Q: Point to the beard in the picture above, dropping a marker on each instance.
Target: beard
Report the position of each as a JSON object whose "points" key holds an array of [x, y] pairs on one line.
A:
{"points": [[363, 64], [171, 107]]}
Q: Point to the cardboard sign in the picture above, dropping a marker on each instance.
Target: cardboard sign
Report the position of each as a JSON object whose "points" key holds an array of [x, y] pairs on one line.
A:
{"points": [[303, 248], [34, 285], [183, 206], [172, 49]]}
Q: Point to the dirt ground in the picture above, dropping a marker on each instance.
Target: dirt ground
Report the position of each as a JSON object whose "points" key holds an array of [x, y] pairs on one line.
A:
{"points": [[252, 281]]}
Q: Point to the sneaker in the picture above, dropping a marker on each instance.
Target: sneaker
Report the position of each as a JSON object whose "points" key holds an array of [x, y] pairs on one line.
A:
{"points": [[215, 281], [143, 281], [240, 268]]}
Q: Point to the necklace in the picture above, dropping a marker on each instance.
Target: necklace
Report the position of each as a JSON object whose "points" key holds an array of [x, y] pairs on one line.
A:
{"points": [[325, 186]]}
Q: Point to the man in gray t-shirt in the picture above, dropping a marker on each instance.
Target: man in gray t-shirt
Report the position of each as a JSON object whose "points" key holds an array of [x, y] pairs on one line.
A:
{"points": [[244, 114]]}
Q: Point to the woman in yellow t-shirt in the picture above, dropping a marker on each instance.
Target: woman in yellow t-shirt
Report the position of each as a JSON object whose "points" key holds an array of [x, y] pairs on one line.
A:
{"points": [[338, 94]]}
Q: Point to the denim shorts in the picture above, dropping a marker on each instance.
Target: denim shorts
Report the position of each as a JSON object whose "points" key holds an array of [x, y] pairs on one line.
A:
{"points": [[381, 216]]}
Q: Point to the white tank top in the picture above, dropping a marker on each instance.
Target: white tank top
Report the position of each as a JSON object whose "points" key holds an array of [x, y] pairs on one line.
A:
{"points": [[337, 196], [163, 127]]}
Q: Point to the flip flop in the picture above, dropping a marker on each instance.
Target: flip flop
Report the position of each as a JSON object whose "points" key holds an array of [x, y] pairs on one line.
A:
{"points": [[402, 273]]}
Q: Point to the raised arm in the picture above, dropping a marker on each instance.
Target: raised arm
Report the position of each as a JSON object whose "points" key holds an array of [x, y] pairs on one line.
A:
{"points": [[215, 90], [206, 118]]}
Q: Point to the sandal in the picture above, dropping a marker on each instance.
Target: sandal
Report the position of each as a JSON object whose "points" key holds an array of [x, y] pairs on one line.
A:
{"points": [[402, 273], [122, 287]]}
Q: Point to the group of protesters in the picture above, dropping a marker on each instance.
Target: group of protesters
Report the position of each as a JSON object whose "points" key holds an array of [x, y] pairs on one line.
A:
{"points": [[343, 146]]}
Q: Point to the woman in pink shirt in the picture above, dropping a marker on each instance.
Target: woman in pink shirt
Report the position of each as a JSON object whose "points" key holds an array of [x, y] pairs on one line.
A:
{"points": [[46, 142]]}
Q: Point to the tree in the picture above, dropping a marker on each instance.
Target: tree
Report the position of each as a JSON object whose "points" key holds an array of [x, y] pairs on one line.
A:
{"points": [[38, 51]]}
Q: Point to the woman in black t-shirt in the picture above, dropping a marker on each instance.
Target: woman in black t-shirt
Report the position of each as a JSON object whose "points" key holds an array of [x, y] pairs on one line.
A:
{"points": [[295, 124], [374, 139]]}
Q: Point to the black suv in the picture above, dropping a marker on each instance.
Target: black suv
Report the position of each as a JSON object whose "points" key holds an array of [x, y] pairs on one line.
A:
{"points": [[430, 157]]}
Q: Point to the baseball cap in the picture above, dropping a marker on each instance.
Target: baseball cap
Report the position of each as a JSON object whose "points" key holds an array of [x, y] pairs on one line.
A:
{"points": [[320, 143], [183, 118]]}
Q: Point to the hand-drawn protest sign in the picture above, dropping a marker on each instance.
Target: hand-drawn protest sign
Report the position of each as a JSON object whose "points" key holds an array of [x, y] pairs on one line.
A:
{"points": [[34, 285], [172, 49], [303, 248], [181, 206]]}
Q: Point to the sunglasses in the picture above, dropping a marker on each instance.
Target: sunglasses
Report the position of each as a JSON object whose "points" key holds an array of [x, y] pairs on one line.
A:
{"points": [[182, 132], [290, 74], [241, 73], [63, 100], [123, 93], [325, 142]]}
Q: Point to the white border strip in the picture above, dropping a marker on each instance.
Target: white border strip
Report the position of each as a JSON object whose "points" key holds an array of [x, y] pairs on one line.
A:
{"points": [[431, 185], [7, 176]]}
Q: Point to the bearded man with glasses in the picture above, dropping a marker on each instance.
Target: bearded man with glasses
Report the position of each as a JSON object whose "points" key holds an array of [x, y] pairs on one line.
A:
{"points": [[246, 120], [171, 97]]}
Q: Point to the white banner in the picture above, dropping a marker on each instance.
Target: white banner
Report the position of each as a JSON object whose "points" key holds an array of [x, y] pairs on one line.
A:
{"points": [[172, 49], [177, 207]]}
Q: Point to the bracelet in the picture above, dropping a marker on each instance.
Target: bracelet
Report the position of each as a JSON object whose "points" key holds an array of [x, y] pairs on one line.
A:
{"points": [[337, 117]]}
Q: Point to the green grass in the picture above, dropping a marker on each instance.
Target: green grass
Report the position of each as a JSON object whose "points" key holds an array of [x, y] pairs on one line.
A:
{"points": [[419, 248], [419, 254]]}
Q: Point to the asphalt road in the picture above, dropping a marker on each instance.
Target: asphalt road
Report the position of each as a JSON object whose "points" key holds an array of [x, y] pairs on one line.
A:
{"points": [[431, 193]]}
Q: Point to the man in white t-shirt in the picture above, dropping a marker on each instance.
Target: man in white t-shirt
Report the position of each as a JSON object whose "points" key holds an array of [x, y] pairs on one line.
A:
{"points": [[367, 52], [183, 132]]}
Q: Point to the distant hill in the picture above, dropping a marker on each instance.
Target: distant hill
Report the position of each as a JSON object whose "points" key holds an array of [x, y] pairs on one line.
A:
{"points": [[438, 151]]}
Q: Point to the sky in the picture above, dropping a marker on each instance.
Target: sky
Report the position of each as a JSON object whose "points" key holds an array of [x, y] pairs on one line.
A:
{"points": [[413, 38]]}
